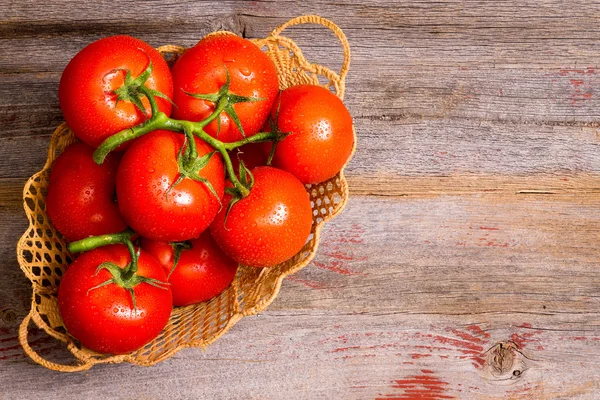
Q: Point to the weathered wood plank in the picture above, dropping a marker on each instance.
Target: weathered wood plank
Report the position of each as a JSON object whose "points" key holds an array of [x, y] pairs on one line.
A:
{"points": [[474, 218], [464, 273], [428, 148], [327, 355]]}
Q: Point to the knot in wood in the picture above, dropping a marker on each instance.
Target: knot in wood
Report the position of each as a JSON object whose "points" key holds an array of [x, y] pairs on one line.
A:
{"points": [[505, 362], [502, 358]]}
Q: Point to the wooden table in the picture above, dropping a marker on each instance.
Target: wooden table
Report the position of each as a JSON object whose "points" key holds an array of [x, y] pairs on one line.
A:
{"points": [[466, 263]]}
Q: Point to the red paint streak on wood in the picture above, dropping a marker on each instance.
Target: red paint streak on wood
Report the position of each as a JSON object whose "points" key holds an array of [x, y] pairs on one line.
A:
{"points": [[488, 228], [577, 338], [576, 82], [353, 235], [416, 356], [425, 386], [472, 343], [497, 244], [468, 336], [478, 331], [339, 249], [521, 339], [565, 72], [343, 256], [471, 350], [307, 282], [337, 267]]}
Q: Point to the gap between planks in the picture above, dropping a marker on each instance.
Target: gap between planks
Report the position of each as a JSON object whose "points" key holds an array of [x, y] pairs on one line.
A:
{"points": [[429, 186], [389, 185]]}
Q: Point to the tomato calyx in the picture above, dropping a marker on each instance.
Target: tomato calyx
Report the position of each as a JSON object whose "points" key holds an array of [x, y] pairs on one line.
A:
{"points": [[189, 164], [126, 277], [246, 181], [133, 89], [178, 248], [224, 95]]}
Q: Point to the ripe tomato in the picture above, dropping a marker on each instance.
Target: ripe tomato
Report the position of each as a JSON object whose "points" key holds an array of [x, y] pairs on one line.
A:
{"points": [[80, 194], [268, 226], [321, 138], [202, 272], [202, 70], [147, 171], [86, 87], [103, 318]]}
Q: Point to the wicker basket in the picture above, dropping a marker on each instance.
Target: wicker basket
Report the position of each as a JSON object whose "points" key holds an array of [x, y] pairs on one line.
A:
{"points": [[43, 256]]}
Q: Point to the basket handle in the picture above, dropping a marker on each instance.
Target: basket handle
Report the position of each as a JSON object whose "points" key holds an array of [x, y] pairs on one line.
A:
{"points": [[42, 361], [315, 19]]}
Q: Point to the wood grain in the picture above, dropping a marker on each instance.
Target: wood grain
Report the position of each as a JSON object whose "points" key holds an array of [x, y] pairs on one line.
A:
{"points": [[465, 265]]}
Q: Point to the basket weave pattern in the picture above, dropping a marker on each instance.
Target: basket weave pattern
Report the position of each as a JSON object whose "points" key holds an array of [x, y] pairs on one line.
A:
{"points": [[43, 256]]}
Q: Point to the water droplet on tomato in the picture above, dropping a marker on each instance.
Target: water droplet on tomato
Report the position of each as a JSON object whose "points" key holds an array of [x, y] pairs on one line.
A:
{"points": [[228, 59], [245, 71], [151, 170]]}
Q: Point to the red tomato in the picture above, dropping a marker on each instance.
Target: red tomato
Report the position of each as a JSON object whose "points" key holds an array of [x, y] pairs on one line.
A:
{"points": [[270, 225], [202, 70], [202, 271], [321, 138], [148, 169], [86, 87], [104, 319], [80, 194]]}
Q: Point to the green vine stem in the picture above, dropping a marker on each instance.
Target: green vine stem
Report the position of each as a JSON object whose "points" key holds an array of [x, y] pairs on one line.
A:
{"points": [[93, 242], [159, 120]]}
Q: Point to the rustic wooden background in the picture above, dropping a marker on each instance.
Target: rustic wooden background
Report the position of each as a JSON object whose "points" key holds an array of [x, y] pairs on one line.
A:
{"points": [[466, 263]]}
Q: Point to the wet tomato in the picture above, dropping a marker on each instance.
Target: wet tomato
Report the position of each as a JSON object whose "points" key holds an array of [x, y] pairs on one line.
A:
{"points": [[86, 90], [148, 199], [80, 194], [203, 69], [321, 137], [202, 271], [270, 225], [103, 318]]}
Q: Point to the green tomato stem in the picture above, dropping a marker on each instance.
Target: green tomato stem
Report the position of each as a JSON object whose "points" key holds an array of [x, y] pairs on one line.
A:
{"points": [[93, 242], [222, 103], [257, 138], [156, 122], [160, 120], [151, 99], [132, 267]]}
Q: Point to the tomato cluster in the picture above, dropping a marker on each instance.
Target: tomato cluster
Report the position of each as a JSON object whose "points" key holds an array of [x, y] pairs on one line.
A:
{"points": [[181, 174]]}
